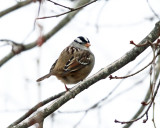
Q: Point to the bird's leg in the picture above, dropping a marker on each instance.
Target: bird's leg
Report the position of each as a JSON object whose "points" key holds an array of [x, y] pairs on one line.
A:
{"points": [[67, 89]]}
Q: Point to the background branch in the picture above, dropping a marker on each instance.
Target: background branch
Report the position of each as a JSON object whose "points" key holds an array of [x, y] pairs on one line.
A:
{"points": [[47, 36], [145, 113], [147, 97], [35, 108], [71, 10], [156, 15], [16, 6]]}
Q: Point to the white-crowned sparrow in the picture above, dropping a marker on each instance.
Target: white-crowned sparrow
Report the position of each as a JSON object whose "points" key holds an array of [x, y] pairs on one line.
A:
{"points": [[74, 63]]}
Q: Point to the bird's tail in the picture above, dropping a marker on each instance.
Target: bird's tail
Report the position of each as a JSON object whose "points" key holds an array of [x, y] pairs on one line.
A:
{"points": [[44, 77]]}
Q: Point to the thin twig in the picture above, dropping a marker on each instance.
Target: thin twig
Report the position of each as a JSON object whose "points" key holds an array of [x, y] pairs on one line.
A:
{"points": [[123, 77], [10, 42], [141, 45], [153, 46], [152, 10], [16, 47], [147, 97], [47, 36], [71, 10], [80, 120], [145, 113], [99, 16], [60, 5], [154, 124]]}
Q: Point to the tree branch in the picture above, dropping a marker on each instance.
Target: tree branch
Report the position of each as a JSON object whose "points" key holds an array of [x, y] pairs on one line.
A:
{"points": [[156, 15], [35, 108], [60, 5], [102, 74], [71, 10], [13, 8], [47, 36], [140, 110], [145, 113]]}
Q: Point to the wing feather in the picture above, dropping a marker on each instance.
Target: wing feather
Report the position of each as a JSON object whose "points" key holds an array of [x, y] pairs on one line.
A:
{"points": [[80, 60]]}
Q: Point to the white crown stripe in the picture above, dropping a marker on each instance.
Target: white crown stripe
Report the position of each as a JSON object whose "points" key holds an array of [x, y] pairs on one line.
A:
{"points": [[78, 40], [86, 39]]}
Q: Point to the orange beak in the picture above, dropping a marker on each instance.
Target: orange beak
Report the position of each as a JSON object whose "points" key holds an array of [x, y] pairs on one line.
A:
{"points": [[87, 45]]}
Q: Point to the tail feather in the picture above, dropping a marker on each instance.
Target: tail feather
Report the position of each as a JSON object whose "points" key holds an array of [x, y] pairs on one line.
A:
{"points": [[44, 77]]}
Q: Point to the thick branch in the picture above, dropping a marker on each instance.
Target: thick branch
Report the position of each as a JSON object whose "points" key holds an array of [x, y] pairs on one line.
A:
{"points": [[102, 74]]}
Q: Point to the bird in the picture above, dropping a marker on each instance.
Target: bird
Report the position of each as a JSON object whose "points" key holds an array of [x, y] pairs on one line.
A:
{"points": [[74, 63]]}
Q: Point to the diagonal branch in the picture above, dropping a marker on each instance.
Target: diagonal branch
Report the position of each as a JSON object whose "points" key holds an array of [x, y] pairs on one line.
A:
{"points": [[13, 8], [35, 108], [60, 5], [102, 74], [149, 5]]}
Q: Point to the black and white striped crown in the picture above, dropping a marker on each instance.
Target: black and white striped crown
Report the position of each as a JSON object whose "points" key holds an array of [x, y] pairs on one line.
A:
{"points": [[82, 40]]}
